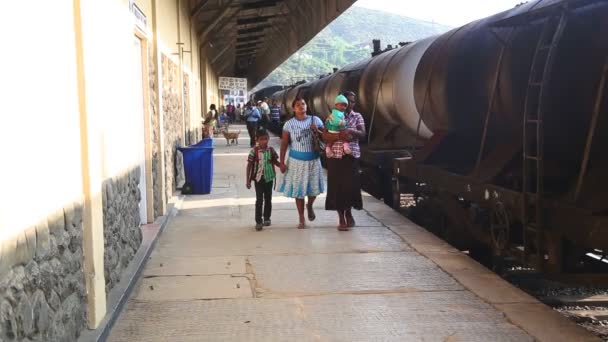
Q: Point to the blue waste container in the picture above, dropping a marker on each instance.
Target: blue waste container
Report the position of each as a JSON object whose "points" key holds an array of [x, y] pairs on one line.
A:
{"points": [[198, 167], [207, 142]]}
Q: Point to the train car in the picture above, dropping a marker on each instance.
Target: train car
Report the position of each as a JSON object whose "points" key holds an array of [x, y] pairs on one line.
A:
{"points": [[266, 92], [511, 109], [497, 130]]}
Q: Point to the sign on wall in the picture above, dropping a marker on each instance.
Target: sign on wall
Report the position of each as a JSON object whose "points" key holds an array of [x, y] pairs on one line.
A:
{"points": [[233, 83], [234, 96], [140, 19]]}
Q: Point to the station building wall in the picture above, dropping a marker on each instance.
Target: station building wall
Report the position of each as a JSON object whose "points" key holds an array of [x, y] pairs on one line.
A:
{"points": [[94, 110]]}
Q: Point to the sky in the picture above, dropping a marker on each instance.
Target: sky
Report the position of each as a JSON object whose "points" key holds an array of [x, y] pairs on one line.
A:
{"points": [[446, 12]]}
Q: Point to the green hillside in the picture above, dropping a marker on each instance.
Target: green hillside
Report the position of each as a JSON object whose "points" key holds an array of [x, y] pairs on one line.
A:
{"points": [[349, 39]]}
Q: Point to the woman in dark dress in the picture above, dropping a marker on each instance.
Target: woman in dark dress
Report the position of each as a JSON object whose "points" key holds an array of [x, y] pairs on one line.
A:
{"points": [[343, 184]]}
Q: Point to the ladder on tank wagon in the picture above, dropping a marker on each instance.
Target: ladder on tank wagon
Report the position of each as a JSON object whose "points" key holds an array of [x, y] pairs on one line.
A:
{"points": [[533, 137], [553, 20]]}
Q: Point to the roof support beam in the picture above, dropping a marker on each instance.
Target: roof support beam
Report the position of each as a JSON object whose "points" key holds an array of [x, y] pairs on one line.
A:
{"points": [[248, 54], [259, 4], [227, 37], [198, 8], [251, 49], [224, 66], [249, 39], [287, 14], [275, 40], [254, 29], [299, 8], [222, 51], [246, 45], [223, 12], [224, 29], [254, 20]]}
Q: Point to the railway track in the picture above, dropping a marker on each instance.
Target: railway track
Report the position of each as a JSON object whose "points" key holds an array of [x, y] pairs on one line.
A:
{"points": [[582, 297], [585, 305], [592, 316]]}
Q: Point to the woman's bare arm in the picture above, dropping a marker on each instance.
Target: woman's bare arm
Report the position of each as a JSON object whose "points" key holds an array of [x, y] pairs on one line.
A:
{"points": [[284, 144]]}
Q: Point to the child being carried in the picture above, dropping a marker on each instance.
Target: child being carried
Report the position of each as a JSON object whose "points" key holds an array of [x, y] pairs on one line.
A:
{"points": [[335, 123]]}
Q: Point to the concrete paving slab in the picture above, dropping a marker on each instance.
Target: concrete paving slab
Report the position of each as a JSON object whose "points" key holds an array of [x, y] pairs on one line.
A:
{"points": [[218, 241], [349, 273], [220, 183], [162, 265], [544, 323], [421, 239], [205, 216], [389, 218], [163, 289], [377, 207], [478, 279], [429, 316], [315, 284], [289, 218], [239, 217]]}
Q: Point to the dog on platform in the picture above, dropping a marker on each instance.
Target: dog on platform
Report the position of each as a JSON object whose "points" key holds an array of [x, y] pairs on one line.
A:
{"points": [[231, 137]]}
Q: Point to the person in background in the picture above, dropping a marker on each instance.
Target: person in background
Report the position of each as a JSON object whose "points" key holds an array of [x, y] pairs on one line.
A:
{"points": [[263, 122], [260, 169], [264, 108], [224, 120], [222, 110], [238, 113], [275, 115], [230, 110], [210, 121], [253, 117]]}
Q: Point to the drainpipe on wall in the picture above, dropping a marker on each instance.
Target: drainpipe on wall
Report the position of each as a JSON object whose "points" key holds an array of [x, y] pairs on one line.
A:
{"points": [[180, 77], [159, 102], [192, 72]]}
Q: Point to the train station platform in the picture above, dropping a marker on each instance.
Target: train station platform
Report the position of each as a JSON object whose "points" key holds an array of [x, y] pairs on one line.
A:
{"points": [[212, 277]]}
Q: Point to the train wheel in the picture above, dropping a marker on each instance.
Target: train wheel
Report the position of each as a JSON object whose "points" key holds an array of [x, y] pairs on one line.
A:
{"points": [[500, 227]]}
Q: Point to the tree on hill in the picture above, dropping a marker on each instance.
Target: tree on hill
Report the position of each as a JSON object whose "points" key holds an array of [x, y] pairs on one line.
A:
{"points": [[348, 39]]}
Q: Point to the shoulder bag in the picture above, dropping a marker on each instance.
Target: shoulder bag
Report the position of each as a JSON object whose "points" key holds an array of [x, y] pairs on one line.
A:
{"points": [[317, 144]]}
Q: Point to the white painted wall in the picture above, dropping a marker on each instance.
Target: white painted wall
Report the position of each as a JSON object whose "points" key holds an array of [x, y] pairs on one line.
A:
{"points": [[40, 166]]}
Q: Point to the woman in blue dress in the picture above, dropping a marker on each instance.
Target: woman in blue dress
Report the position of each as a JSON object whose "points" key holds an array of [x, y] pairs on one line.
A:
{"points": [[303, 175]]}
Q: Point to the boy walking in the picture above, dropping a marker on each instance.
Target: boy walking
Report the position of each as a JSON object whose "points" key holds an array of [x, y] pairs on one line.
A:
{"points": [[260, 169]]}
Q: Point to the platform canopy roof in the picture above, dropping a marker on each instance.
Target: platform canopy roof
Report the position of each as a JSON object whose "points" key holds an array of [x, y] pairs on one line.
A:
{"points": [[250, 38]]}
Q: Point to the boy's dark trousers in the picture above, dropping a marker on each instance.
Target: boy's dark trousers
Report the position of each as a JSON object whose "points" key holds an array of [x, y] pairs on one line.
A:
{"points": [[263, 193]]}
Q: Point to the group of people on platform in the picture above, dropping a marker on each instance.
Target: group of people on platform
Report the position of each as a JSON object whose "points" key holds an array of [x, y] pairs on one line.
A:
{"points": [[301, 167], [256, 115], [261, 116]]}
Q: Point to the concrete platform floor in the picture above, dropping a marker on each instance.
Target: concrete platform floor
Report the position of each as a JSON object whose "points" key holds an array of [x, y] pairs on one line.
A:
{"points": [[212, 277]]}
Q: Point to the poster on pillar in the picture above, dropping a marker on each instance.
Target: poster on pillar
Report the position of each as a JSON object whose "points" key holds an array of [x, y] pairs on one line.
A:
{"points": [[233, 90]]}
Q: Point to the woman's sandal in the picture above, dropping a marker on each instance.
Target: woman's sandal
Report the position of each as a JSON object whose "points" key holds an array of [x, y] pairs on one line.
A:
{"points": [[311, 213], [343, 228], [302, 225]]}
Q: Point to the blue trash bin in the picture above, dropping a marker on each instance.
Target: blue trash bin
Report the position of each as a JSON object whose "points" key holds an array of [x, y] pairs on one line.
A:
{"points": [[198, 167], [207, 142]]}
